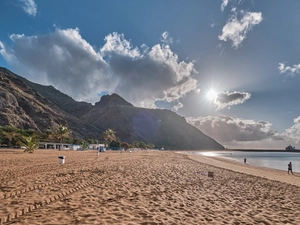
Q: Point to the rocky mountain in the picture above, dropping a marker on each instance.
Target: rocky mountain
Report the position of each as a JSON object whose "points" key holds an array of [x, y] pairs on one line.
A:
{"points": [[24, 107], [26, 104]]}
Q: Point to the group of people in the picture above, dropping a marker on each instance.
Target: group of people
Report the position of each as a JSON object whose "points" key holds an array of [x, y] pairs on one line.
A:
{"points": [[290, 168]]}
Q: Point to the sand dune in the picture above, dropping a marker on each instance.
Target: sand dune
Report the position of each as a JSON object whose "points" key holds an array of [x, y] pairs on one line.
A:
{"points": [[145, 187]]}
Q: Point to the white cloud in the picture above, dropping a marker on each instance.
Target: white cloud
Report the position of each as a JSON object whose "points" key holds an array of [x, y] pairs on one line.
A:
{"points": [[29, 7], [227, 99], [117, 44], [289, 70], [68, 62], [6, 53], [157, 73], [226, 129], [166, 38], [177, 106], [224, 4], [293, 133], [236, 29]]}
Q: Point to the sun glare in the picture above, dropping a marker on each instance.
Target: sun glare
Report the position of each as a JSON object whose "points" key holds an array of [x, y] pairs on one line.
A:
{"points": [[211, 95]]}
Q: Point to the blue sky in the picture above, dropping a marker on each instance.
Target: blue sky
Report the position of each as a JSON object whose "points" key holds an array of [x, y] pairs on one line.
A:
{"points": [[230, 67]]}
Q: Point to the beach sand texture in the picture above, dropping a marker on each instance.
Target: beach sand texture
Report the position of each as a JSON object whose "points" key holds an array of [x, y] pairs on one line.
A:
{"points": [[144, 187]]}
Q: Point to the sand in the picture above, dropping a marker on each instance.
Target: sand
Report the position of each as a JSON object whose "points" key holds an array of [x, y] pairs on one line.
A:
{"points": [[144, 187]]}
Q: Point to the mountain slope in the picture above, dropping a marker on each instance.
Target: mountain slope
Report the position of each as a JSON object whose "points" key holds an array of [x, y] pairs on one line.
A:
{"points": [[59, 99], [164, 128], [25, 104], [24, 107]]}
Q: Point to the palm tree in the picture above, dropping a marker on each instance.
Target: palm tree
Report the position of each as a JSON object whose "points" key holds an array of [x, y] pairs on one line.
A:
{"points": [[11, 133], [30, 144], [109, 135], [61, 132], [84, 145]]}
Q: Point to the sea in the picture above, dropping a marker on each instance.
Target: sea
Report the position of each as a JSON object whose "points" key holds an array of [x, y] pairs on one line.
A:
{"points": [[274, 160]]}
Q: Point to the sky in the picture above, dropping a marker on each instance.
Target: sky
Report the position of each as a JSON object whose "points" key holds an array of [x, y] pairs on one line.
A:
{"points": [[230, 67]]}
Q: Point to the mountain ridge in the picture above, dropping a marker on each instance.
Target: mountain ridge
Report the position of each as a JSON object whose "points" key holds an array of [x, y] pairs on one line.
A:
{"points": [[36, 106]]}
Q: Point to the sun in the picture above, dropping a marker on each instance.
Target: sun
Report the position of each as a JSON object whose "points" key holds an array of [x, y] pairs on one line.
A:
{"points": [[211, 95]]}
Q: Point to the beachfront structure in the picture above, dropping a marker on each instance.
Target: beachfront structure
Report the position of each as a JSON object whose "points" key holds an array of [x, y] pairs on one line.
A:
{"points": [[96, 146], [65, 146], [54, 145]]}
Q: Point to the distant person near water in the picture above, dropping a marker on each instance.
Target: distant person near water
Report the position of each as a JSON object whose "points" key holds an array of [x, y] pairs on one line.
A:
{"points": [[245, 160], [290, 168]]}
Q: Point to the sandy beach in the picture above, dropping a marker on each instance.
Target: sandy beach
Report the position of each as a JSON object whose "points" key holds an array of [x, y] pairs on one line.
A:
{"points": [[143, 187]]}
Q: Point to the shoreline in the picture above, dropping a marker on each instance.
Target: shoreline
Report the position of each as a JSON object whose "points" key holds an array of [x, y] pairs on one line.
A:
{"points": [[262, 150], [267, 173]]}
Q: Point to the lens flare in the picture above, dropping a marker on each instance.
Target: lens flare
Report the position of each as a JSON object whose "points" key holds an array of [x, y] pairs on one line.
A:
{"points": [[211, 95]]}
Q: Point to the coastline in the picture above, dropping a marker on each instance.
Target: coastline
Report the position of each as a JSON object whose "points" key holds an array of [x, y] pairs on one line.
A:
{"points": [[262, 150], [142, 187], [267, 173]]}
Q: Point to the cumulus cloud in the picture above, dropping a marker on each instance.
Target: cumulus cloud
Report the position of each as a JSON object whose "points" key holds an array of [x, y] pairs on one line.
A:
{"points": [[118, 45], [177, 106], [289, 70], [227, 99], [237, 27], [62, 59], [68, 62], [227, 129], [29, 6], [293, 133], [224, 4]]}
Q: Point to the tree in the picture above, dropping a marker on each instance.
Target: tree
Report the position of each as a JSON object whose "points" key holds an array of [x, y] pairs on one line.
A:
{"points": [[76, 141], [10, 133], [48, 135], [125, 145], [142, 145], [109, 135], [150, 146], [29, 144], [61, 132], [28, 132], [114, 144], [135, 144], [84, 145]]}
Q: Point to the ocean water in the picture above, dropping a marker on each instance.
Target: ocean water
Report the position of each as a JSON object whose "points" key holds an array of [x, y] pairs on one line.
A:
{"points": [[274, 160]]}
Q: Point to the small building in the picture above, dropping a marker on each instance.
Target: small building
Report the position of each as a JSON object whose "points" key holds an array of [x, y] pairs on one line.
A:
{"points": [[64, 146], [75, 147], [98, 147], [53, 145]]}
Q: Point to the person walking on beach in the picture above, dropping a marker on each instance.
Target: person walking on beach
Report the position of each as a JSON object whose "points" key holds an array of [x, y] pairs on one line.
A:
{"points": [[290, 168], [245, 160]]}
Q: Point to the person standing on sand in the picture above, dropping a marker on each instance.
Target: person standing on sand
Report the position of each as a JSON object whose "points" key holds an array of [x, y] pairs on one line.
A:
{"points": [[245, 160], [290, 168]]}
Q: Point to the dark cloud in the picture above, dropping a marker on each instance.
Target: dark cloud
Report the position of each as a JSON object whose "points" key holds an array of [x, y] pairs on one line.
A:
{"points": [[227, 99]]}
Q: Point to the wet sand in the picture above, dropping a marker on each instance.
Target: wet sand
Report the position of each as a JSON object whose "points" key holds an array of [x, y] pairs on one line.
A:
{"points": [[144, 187]]}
